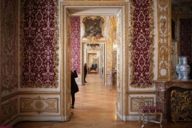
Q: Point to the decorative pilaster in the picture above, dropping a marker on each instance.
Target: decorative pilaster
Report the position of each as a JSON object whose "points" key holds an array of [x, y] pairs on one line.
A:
{"points": [[164, 39]]}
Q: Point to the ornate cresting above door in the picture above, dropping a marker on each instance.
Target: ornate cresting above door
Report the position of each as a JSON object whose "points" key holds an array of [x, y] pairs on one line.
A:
{"points": [[164, 39]]}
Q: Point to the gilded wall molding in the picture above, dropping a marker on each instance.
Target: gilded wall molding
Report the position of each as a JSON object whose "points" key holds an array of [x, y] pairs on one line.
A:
{"points": [[136, 100], [164, 39]]}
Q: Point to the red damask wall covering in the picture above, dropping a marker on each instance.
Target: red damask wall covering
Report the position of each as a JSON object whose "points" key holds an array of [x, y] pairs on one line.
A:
{"points": [[39, 41], [75, 43], [142, 43]]}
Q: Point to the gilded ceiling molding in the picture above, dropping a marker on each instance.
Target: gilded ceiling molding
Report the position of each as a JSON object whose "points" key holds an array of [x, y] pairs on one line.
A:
{"points": [[142, 47], [164, 39]]}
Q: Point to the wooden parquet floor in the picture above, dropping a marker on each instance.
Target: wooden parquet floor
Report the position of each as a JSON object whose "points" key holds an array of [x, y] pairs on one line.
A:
{"points": [[95, 108]]}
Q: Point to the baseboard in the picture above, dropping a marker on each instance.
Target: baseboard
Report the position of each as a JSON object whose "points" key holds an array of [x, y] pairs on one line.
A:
{"points": [[132, 117], [135, 117], [121, 117], [37, 118]]}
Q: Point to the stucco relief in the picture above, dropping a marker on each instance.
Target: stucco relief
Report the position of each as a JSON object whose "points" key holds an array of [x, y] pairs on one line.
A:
{"points": [[9, 46], [137, 100], [163, 39], [39, 104]]}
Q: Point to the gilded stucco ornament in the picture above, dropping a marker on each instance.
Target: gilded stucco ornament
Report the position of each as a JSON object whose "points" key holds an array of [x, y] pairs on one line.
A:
{"points": [[164, 49]]}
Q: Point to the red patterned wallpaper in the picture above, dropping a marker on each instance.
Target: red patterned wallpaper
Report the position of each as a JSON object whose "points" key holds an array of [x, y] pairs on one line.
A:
{"points": [[39, 38], [141, 44], [75, 43]]}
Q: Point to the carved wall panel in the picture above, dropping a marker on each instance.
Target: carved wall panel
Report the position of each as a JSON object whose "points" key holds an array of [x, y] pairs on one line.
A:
{"points": [[9, 46], [39, 44], [9, 109], [164, 38], [135, 100], [39, 104]]}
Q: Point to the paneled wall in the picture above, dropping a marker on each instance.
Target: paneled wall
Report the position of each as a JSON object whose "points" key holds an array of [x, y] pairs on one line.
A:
{"points": [[8, 59], [30, 73], [39, 92]]}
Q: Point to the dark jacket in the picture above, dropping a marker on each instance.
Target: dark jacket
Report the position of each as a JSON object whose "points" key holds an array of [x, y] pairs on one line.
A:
{"points": [[74, 86]]}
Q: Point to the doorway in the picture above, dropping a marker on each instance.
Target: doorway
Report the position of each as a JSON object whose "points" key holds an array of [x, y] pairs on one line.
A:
{"points": [[74, 11], [93, 55]]}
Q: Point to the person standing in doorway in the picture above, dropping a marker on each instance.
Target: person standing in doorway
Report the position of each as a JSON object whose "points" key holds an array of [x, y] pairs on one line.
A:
{"points": [[74, 87], [85, 72]]}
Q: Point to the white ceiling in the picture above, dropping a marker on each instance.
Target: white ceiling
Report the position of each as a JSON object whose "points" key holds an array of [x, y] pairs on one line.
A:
{"points": [[101, 11]]}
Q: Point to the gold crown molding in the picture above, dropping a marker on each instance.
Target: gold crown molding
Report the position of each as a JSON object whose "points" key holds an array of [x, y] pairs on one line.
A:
{"points": [[164, 39]]}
